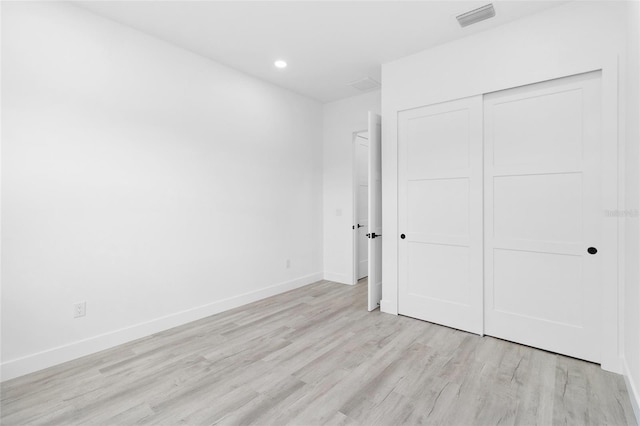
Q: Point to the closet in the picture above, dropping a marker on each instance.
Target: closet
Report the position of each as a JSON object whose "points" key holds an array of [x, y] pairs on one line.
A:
{"points": [[501, 214]]}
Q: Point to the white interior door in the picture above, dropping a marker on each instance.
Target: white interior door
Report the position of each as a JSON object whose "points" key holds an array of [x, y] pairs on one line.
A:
{"points": [[362, 203], [375, 211], [543, 210], [440, 213]]}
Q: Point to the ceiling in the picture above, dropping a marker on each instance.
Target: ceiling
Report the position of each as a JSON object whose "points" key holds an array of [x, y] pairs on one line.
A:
{"points": [[327, 44]]}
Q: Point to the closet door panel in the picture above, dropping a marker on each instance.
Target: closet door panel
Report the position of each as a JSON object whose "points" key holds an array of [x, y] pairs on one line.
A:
{"points": [[440, 206], [543, 211]]}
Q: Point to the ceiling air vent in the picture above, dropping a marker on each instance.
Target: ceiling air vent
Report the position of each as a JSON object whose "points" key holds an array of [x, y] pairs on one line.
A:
{"points": [[365, 84], [476, 15]]}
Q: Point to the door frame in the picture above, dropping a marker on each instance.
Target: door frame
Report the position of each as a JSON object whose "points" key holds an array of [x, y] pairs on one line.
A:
{"points": [[613, 199], [354, 200]]}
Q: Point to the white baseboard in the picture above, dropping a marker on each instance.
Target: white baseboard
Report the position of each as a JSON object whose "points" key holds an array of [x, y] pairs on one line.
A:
{"points": [[387, 307], [633, 387], [50, 357], [338, 278]]}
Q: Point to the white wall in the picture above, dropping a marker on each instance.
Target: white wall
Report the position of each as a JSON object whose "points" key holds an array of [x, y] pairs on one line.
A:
{"points": [[564, 40], [631, 340], [341, 119], [155, 185]]}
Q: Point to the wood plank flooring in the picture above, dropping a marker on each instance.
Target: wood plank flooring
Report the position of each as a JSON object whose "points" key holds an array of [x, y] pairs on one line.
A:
{"points": [[315, 356]]}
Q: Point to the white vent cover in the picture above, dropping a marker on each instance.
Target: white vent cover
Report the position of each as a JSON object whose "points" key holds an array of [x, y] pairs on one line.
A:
{"points": [[476, 15], [365, 84]]}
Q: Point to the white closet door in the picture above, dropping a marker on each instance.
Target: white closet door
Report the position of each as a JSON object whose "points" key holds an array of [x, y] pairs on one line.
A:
{"points": [[543, 210], [440, 206]]}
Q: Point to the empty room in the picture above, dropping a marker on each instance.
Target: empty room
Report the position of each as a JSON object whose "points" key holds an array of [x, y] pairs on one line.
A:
{"points": [[320, 212]]}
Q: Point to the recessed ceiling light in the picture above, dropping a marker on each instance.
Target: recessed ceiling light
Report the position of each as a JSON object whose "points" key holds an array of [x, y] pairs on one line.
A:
{"points": [[280, 64]]}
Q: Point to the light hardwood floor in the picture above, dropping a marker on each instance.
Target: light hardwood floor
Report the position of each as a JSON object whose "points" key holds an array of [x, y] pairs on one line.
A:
{"points": [[316, 356]]}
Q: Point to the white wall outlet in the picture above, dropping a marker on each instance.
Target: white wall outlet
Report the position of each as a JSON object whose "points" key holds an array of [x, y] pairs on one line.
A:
{"points": [[288, 263], [79, 309]]}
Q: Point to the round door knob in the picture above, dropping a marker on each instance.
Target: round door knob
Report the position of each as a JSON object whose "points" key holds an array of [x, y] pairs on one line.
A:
{"points": [[403, 236], [592, 250]]}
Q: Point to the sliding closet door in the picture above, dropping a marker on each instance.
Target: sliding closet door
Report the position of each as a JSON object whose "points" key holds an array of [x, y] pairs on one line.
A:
{"points": [[543, 215], [440, 213]]}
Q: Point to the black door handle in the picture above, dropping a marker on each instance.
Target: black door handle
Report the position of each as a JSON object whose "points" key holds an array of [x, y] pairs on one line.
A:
{"points": [[360, 226], [373, 235], [592, 250]]}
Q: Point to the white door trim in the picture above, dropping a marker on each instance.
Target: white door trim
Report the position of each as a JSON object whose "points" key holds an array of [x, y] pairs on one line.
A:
{"points": [[613, 233]]}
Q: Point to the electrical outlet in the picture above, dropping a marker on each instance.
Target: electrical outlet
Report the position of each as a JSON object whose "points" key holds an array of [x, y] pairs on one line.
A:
{"points": [[288, 263], [79, 309]]}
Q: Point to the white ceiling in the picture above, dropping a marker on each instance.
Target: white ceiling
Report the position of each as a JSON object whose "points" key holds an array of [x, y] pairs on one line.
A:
{"points": [[327, 44]]}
